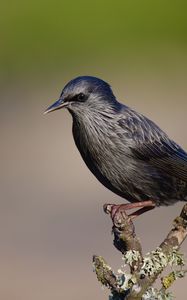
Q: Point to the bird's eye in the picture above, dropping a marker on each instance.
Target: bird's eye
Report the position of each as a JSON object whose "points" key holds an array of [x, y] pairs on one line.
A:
{"points": [[81, 97]]}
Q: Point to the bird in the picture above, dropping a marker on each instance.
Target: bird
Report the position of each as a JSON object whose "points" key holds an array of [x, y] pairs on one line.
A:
{"points": [[126, 151]]}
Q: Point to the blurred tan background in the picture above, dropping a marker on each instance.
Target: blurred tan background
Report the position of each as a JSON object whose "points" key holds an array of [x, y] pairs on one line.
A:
{"points": [[51, 218]]}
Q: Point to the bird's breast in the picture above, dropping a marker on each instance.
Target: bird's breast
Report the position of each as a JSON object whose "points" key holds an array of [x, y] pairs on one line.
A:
{"points": [[103, 151]]}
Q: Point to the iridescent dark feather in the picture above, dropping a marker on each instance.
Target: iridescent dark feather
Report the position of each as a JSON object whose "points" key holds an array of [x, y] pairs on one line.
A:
{"points": [[127, 152], [152, 145]]}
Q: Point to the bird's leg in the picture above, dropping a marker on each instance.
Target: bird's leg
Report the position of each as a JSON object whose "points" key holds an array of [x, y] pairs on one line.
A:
{"points": [[143, 205], [141, 211]]}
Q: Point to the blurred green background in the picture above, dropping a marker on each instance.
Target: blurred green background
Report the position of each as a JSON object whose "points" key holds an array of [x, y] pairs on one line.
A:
{"points": [[45, 37], [51, 219]]}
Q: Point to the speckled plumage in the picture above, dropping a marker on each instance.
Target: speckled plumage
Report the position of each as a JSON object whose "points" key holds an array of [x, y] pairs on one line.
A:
{"points": [[127, 152]]}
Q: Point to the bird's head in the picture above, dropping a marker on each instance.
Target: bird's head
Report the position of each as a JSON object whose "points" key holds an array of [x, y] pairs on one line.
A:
{"points": [[82, 93]]}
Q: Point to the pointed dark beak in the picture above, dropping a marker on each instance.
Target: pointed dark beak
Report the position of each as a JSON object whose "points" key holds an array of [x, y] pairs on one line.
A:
{"points": [[57, 105]]}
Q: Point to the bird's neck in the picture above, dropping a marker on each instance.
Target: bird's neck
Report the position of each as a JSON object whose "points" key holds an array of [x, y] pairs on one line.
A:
{"points": [[92, 131]]}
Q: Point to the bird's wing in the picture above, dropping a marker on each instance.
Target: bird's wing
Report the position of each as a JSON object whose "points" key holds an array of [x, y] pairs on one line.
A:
{"points": [[149, 143]]}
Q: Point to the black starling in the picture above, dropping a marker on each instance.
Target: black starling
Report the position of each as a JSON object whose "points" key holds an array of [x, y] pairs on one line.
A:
{"points": [[127, 152]]}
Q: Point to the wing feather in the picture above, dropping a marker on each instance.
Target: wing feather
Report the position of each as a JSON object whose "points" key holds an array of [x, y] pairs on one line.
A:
{"points": [[149, 143]]}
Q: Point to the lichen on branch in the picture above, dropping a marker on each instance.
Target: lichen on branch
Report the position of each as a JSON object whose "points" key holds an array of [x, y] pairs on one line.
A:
{"points": [[136, 277]]}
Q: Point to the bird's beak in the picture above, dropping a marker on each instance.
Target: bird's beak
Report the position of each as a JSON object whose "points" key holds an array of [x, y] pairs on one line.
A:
{"points": [[56, 105]]}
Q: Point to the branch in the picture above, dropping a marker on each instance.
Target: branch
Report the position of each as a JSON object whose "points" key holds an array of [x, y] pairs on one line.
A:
{"points": [[125, 238], [173, 241], [143, 270]]}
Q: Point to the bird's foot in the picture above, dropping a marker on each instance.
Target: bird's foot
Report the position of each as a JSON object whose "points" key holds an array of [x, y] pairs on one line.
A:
{"points": [[144, 206]]}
